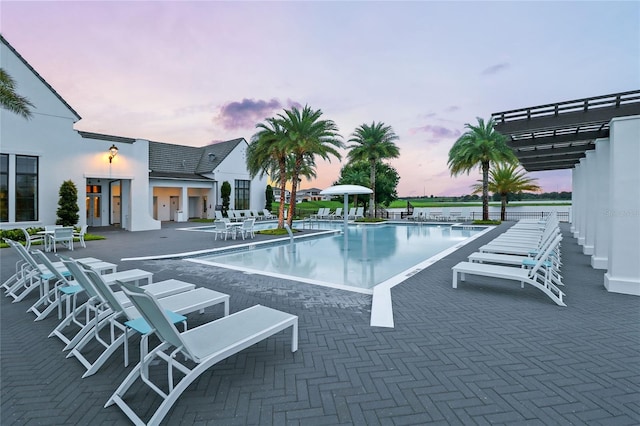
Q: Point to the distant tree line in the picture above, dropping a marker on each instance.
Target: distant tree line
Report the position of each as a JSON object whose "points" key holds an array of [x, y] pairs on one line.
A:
{"points": [[522, 196]]}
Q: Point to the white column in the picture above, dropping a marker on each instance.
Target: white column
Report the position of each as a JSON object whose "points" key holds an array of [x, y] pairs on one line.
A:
{"points": [[577, 205], [599, 259], [623, 275], [184, 203], [582, 214], [591, 195], [574, 199]]}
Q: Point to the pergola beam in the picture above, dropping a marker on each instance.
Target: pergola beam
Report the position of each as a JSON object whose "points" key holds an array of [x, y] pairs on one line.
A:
{"points": [[558, 139], [552, 151]]}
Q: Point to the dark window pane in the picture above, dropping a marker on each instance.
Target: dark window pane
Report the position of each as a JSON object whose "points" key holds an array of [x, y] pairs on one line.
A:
{"points": [[26, 188], [4, 188]]}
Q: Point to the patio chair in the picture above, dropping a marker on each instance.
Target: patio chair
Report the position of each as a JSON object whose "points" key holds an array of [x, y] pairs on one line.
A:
{"points": [[205, 345], [177, 304], [218, 215], [352, 213], [359, 213], [254, 214], [80, 235], [62, 235], [222, 228], [247, 228], [537, 276], [30, 239], [266, 214]]}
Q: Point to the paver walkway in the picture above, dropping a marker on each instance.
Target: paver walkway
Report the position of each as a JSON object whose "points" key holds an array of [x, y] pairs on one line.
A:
{"points": [[486, 352]]}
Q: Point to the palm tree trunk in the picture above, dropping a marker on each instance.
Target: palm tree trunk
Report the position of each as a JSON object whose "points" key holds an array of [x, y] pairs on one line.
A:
{"points": [[283, 188], [503, 207], [372, 179], [485, 190], [294, 190]]}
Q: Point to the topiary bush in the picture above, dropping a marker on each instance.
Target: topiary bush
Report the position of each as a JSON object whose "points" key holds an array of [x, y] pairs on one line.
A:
{"points": [[68, 204]]}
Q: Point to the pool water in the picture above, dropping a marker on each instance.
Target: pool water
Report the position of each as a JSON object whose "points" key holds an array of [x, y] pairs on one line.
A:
{"points": [[364, 257]]}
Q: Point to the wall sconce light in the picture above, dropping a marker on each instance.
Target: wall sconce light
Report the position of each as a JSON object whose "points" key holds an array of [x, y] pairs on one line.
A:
{"points": [[113, 151]]}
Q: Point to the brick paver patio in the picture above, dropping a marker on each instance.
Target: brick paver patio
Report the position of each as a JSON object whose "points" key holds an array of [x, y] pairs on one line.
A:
{"points": [[486, 352]]}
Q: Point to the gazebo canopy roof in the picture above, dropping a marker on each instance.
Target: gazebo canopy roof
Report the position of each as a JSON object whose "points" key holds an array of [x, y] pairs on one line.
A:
{"points": [[557, 136]]}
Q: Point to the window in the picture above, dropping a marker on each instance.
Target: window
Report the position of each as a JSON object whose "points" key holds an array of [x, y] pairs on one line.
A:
{"points": [[26, 188], [242, 194], [4, 188]]}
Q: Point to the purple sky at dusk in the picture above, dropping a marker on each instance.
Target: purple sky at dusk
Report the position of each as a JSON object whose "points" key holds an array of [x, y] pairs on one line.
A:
{"points": [[196, 72]]}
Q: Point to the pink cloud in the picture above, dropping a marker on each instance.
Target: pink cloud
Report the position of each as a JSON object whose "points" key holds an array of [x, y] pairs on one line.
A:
{"points": [[248, 112], [436, 133]]}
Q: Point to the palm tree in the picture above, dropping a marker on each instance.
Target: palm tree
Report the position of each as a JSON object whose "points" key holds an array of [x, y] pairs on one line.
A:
{"points": [[480, 146], [11, 100], [267, 154], [505, 179], [372, 144], [307, 136]]}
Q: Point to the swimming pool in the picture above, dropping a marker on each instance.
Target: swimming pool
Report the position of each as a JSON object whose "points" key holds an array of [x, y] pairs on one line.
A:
{"points": [[366, 256]]}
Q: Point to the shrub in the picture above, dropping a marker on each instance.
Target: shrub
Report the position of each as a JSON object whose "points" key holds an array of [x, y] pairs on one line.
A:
{"points": [[68, 204]]}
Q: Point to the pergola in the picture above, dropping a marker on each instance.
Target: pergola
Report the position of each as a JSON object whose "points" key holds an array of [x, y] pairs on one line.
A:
{"points": [[556, 136], [599, 140]]}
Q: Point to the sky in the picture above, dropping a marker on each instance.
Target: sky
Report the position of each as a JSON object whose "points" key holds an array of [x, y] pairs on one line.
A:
{"points": [[193, 73]]}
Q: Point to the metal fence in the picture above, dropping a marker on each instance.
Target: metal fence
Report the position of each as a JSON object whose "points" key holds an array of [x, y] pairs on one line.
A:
{"points": [[513, 216]]}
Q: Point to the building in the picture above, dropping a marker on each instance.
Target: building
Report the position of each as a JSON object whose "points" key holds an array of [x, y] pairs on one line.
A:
{"points": [[132, 183]]}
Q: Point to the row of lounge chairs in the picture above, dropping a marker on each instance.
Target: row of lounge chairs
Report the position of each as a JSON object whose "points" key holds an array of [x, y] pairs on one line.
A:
{"points": [[327, 214], [239, 215], [444, 214], [529, 252], [99, 319]]}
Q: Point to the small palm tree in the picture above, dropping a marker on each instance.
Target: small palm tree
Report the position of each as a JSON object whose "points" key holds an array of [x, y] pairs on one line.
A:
{"points": [[267, 155], [307, 136], [372, 144], [480, 146], [505, 179], [10, 99]]}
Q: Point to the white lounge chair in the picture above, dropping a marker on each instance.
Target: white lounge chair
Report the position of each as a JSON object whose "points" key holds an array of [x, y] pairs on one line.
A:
{"points": [[266, 214], [218, 215], [537, 276], [94, 309], [62, 290], [337, 214], [185, 302], [205, 345], [359, 213], [352, 213]]}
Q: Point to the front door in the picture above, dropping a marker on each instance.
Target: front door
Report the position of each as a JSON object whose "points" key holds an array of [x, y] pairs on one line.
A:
{"points": [[94, 209], [173, 207]]}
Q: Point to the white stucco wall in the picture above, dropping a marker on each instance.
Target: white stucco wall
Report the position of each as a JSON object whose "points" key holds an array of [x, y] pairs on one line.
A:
{"points": [[234, 168], [64, 155]]}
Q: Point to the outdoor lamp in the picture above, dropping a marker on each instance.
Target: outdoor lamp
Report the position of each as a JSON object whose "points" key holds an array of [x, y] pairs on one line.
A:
{"points": [[113, 151]]}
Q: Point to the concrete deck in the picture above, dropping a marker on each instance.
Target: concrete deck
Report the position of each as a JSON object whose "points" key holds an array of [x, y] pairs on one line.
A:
{"points": [[486, 352]]}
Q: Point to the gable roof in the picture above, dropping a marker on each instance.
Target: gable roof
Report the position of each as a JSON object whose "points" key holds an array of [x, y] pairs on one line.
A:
{"points": [[24, 61], [215, 153], [187, 162]]}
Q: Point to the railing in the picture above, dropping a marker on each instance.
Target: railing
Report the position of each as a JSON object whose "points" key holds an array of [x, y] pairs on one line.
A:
{"points": [[513, 216], [409, 211]]}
